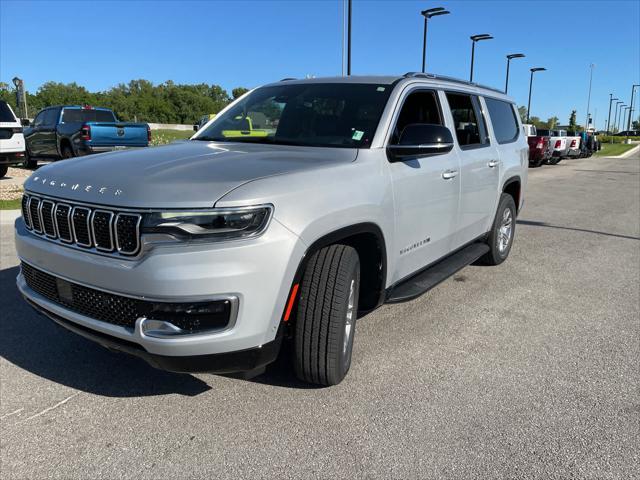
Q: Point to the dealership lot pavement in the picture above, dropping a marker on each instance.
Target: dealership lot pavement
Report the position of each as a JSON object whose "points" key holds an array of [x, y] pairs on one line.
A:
{"points": [[529, 369]]}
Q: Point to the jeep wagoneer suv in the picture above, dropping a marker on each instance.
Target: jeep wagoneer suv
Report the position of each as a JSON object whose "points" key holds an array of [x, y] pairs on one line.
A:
{"points": [[204, 256]]}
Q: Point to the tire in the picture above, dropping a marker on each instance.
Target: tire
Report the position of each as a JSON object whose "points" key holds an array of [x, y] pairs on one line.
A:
{"points": [[3, 170], [326, 315], [498, 251], [67, 152], [29, 162], [554, 160]]}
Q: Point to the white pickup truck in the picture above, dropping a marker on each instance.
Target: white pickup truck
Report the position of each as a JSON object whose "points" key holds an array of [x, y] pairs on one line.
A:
{"points": [[574, 147], [558, 144]]}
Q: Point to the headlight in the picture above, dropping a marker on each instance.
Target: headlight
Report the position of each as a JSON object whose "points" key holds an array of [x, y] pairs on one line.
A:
{"points": [[215, 224]]}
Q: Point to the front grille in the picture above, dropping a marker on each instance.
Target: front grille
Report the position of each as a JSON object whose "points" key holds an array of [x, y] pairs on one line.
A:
{"points": [[120, 310], [90, 228]]}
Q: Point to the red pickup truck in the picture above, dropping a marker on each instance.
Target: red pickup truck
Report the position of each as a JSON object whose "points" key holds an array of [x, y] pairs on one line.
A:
{"points": [[539, 146]]}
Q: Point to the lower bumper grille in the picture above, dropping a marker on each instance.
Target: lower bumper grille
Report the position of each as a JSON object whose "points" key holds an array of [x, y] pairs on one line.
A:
{"points": [[124, 311]]}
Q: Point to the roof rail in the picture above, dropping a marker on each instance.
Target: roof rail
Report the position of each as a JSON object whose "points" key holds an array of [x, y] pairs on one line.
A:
{"points": [[449, 79], [287, 79]]}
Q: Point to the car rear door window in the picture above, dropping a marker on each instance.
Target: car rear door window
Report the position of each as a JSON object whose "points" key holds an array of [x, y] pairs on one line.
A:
{"points": [[419, 107], [467, 120], [503, 120]]}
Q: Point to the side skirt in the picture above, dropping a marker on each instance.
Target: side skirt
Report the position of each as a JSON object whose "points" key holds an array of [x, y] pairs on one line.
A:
{"points": [[424, 280]]}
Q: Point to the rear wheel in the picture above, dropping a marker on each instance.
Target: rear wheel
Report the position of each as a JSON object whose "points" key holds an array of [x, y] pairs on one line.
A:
{"points": [[29, 161], [554, 160], [67, 151], [326, 315], [502, 232], [3, 170]]}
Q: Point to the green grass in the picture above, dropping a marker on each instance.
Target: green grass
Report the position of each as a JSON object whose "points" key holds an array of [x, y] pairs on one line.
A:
{"points": [[10, 204], [162, 137], [609, 149]]}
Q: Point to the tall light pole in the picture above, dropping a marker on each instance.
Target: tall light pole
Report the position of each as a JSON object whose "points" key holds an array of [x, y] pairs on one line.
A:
{"points": [[474, 39], [622, 107], [533, 70], [586, 125], [611, 99], [348, 37], [615, 115], [427, 14], [633, 88], [509, 57], [623, 114]]}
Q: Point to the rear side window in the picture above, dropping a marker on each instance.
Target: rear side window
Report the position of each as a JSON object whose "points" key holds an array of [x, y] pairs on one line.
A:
{"points": [[5, 113], [418, 107], [503, 120], [467, 120], [72, 115]]}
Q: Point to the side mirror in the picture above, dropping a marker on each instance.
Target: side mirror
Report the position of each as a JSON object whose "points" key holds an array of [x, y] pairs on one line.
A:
{"points": [[25, 122], [421, 140], [196, 128]]}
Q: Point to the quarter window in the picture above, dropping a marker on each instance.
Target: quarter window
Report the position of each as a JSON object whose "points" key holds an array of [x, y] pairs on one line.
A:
{"points": [[467, 121], [419, 107], [503, 120]]}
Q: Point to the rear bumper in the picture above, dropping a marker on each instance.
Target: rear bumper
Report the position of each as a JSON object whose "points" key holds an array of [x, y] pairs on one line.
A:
{"points": [[229, 362], [11, 158], [89, 149]]}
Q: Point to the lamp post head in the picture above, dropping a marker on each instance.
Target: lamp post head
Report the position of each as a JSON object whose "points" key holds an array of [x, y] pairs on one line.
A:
{"points": [[537, 69], [481, 36], [515, 55], [433, 12], [16, 81]]}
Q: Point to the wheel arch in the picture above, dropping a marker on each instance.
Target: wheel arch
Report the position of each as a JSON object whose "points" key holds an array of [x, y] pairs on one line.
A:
{"points": [[368, 240], [512, 186]]}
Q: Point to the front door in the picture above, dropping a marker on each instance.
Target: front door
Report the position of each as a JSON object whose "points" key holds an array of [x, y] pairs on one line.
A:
{"points": [[426, 191], [480, 168]]}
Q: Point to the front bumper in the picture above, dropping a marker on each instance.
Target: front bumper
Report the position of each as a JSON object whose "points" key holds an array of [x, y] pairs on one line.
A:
{"points": [[258, 272]]}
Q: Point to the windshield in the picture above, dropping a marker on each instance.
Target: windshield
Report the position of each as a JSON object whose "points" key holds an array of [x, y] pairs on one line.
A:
{"points": [[71, 115], [310, 114], [5, 113]]}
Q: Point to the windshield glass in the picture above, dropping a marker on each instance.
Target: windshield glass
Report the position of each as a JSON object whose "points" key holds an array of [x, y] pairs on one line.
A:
{"points": [[310, 114], [5, 113], [71, 115]]}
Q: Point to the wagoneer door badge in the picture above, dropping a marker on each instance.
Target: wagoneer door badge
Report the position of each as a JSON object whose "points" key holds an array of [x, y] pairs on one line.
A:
{"points": [[77, 186]]}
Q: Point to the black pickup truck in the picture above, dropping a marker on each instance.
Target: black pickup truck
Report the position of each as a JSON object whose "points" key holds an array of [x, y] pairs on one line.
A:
{"points": [[70, 131]]}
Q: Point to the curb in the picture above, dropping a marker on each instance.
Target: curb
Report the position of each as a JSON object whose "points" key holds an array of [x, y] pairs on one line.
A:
{"points": [[629, 152], [7, 217]]}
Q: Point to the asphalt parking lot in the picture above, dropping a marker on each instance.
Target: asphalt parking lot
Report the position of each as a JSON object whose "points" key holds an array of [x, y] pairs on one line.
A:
{"points": [[526, 370]]}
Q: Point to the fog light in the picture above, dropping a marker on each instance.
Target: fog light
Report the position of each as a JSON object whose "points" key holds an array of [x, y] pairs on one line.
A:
{"points": [[171, 319]]}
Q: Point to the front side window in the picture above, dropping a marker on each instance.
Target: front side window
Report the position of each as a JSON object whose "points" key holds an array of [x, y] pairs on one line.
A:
{"points": [[39, 120], [503, 120], [467, 121], [51, 117], [419, 107], [307, 114]]}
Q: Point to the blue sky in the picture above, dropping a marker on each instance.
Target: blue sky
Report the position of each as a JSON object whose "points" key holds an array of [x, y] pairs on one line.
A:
{"points": [[243, 43]]}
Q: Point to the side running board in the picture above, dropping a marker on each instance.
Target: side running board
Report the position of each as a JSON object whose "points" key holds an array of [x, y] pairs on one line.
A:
{"points": [[430, 277]]}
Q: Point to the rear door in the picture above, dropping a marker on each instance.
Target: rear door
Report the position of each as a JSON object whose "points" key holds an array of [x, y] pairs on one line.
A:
{"points": [[480, 167], [426, 202]]}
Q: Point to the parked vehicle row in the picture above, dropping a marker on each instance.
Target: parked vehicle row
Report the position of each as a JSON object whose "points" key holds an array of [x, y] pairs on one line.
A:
{"points": [[551, 146]]}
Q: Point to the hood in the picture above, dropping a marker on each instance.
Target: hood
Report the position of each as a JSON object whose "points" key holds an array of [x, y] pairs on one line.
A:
{"points": [[192, 174]]}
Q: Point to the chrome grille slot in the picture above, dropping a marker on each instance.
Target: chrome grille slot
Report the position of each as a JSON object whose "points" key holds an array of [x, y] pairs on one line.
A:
{"points": [[25, 211], [34, 214], [128, 233], [101, 228], [62, 214], [48, 225], [80, 218], [92, 228]]}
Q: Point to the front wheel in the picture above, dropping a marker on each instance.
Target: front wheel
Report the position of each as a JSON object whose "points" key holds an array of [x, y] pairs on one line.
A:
{"points": [[326, 315], [502, 232]]}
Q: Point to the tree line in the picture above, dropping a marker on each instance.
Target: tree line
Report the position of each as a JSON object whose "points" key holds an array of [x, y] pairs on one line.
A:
{"points": [[138, 100]]}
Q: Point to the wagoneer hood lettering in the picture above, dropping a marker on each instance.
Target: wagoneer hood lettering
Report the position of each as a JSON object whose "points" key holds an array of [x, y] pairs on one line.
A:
{"points": [[190, 174]]}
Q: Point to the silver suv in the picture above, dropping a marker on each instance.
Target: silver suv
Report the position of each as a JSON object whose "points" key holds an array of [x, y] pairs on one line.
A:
{"points": [[303, 205]]}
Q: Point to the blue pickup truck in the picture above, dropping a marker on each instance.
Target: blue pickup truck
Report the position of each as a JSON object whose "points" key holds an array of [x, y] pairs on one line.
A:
{"points": [[71, 131]]}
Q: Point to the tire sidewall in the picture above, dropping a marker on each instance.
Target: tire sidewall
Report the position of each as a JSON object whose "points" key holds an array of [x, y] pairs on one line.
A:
{"points": [[345, 356]]}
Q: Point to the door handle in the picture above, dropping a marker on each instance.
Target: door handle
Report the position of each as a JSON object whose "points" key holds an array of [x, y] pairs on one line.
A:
{"points": [[449, 174], [493, 163]]}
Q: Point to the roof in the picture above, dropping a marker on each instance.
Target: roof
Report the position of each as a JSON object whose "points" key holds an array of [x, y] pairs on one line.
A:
{"points": [[390, 79]]}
